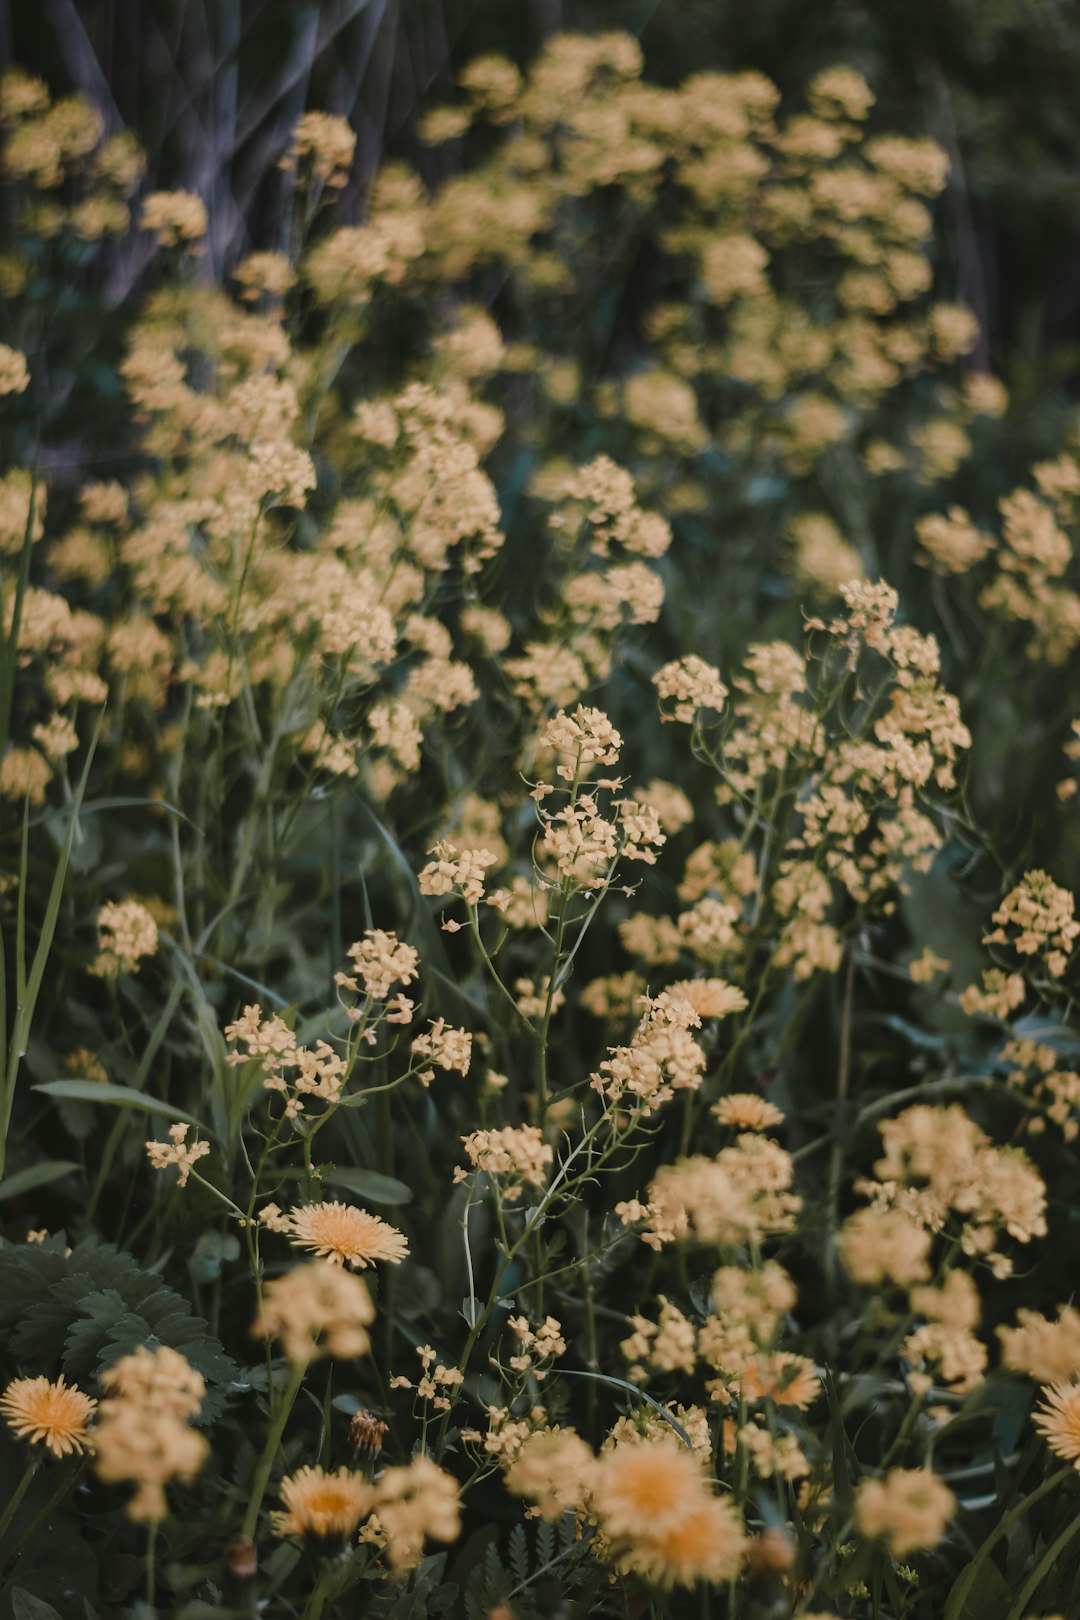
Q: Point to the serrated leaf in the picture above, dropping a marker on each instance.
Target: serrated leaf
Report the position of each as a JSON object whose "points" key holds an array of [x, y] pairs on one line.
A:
{"points": [[36, 1175], [96, 1304], [368, 1184], [102, 1091], [518, 1553]]}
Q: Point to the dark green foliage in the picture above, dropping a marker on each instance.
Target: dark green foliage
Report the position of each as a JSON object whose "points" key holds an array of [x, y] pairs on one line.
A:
{"points": [[79, 1312]]}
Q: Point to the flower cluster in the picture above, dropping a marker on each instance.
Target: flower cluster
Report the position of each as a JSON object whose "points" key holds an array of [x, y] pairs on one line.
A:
{"points": [[143, 1435]]}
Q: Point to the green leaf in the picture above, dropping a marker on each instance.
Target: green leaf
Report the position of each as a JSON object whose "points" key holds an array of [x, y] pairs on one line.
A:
{"points": [[638, 1394], [102, 1091], [35, 1175], [987, 1598], [368, 1184], [25, 1606]]}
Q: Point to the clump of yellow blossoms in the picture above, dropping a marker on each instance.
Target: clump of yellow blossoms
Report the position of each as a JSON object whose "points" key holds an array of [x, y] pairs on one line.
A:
{"points": [[317, 1309], [143, 1435], [177, 1151], [128, 933], [910, 1508]]}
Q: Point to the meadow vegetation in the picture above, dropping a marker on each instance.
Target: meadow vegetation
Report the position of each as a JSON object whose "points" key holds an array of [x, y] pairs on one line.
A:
{"points": [[539, 952]]}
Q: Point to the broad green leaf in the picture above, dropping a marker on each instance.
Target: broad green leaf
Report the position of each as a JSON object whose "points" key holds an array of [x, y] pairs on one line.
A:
{"points": [[100, 1091], [25, 1606], [35, 1175], [368, 1184]]}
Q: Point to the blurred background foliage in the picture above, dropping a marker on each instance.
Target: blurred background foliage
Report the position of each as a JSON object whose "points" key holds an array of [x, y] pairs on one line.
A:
{"points": [[212, 91], [213, 88]]}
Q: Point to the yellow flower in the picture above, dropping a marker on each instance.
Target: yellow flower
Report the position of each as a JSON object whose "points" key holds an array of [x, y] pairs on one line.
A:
{"points": [[343, 1234], [316, 1309], [143, 1436], [644, 1490], [706, 1544], [746, 1112], [1059, 1420], [910, 1507], [322, 1505], [653, 1504], [411, 1504], [552, 1469], [54, 1415]]}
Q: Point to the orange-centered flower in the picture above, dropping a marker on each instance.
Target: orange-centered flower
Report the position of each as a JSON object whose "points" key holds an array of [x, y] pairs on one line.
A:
{"points": [[48, 1414], [344, 1234], [322, 1505], [1059, 1420]]}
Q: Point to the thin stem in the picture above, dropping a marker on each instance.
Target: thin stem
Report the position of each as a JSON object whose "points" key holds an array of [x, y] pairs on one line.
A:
{"points": [[18, 1494], [151, 1549], [843, 1081], [266, 1461], [65, 1484], [316, 1603]]}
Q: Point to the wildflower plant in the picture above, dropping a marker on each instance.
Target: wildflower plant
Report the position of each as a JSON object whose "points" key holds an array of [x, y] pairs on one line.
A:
{"points": [[490, 1129]]}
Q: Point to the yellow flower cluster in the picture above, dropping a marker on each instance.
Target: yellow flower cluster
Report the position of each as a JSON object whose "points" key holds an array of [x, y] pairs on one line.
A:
{"points": [[143, 1434]]}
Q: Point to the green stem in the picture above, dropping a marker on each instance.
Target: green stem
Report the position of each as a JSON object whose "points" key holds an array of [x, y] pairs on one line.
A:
{"points": [[66, 1483], [316, 1603], [151, 1549], [836, 1156], [958, 1597], [266, 1461], [18, 1494], [1043, 1568]]}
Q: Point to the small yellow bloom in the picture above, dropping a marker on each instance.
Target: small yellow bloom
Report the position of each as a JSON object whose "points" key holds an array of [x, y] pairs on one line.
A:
{"points": [[910, 1507], [47, 1413], [322, 1505]]}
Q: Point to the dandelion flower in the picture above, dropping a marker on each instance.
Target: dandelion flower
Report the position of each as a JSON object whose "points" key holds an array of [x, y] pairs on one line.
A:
{"points": [[710, 998], [343, 1234], [1058, 1420], [746, 1112], [910, 1507], [47, 1413], [706, 1544], [322, 1505], [644, 1490]]}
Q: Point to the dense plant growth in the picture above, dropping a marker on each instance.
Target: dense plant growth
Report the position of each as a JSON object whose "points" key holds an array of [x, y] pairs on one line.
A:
{"points": [[541, 1069]]}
